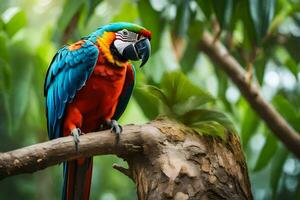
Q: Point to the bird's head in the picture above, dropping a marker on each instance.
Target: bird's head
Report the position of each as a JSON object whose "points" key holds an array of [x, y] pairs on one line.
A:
{"points": [[125, 41]]}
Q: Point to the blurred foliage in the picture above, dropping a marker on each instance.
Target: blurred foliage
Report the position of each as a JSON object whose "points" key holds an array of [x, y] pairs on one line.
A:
{"points": [[265, 33]]}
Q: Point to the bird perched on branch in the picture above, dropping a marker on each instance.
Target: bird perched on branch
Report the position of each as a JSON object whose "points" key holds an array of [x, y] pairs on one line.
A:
{"points": [[88, 86]]}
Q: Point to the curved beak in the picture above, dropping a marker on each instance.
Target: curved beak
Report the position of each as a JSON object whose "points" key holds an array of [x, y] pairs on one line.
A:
{"points": [[143, 48], [140, 50]]}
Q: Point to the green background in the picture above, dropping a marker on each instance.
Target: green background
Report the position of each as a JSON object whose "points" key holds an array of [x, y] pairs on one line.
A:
{"points": [[31, 31]]}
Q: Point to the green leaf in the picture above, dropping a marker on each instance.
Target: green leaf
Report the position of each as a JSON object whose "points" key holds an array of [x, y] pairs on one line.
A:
{"points": [[158, 93], [211, 128], [179, 90], [182, 19], [292, 48], [3, 46], [15, 23], [22, 73], [148, 103], [267, 152], [262, 12], [178, 94], [288, 111], [70, 9], [204, 115], [249, 124], [124, 15], [277, 168], [189, 57], [152, 20], [260, 66], [1, 24], [206, 7], [5, 77], [191, 52], [292, 66], [248, 30], [223, 10], [222, 88], [92, 4], [297, 193]]}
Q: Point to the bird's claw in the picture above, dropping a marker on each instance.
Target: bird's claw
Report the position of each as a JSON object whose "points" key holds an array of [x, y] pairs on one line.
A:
{"points": [[115, 127], [76, 132]]}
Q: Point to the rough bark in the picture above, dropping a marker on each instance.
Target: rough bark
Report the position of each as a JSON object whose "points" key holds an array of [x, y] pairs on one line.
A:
{"points": [[166, 160], [278, 125]]}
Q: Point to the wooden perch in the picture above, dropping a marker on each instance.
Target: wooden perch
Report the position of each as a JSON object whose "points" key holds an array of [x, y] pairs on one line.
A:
{"points": [[39, 156], [166, 160], [219, 54]]}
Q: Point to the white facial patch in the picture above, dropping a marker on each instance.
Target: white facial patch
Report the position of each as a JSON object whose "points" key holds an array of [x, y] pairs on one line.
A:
{"points": [[124, 38], [120, 45]]}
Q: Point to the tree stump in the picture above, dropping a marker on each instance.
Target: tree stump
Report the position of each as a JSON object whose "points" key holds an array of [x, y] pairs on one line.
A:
{"points": [[178, 163]]}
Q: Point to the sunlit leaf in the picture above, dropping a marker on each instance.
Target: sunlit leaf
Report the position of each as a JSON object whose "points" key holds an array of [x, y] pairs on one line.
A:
{"points": [[211, 128], [126, 16], [15, 23], [267, 152], [203, 115]]}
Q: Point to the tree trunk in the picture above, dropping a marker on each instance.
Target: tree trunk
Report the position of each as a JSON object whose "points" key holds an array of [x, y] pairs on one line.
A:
{"points": [[183, 165]]}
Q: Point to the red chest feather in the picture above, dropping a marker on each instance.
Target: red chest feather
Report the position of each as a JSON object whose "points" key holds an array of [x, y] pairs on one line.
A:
{"points": [[97, 100]]}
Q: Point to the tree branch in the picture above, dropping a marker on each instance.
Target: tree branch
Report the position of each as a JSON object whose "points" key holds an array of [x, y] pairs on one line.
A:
{"points": [[166, 160], [39, 156], [219, 54]]}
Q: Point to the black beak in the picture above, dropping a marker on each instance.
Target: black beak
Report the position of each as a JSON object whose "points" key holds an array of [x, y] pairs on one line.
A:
{"points": [[140, 50]]}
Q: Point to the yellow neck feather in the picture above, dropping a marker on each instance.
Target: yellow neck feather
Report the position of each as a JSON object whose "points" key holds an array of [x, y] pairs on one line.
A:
{"points": [[104, 43]]}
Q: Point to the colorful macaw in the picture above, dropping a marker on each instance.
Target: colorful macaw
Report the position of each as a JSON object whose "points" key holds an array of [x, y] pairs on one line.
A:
{"points": [[88, 86]]}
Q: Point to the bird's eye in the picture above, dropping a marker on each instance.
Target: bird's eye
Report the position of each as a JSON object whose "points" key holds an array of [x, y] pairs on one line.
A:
{"points": [[125, 32]]}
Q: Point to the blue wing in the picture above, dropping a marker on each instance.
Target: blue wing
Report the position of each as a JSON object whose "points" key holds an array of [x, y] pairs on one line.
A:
{"points": [[68, 72], [126, 92]]}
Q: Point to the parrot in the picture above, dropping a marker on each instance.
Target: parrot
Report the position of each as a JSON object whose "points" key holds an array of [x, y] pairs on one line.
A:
{"points": [[87, 87]]}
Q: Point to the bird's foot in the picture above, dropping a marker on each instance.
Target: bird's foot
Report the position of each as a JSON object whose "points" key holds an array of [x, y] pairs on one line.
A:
{"points": [[76, 132], [115, 127]]}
